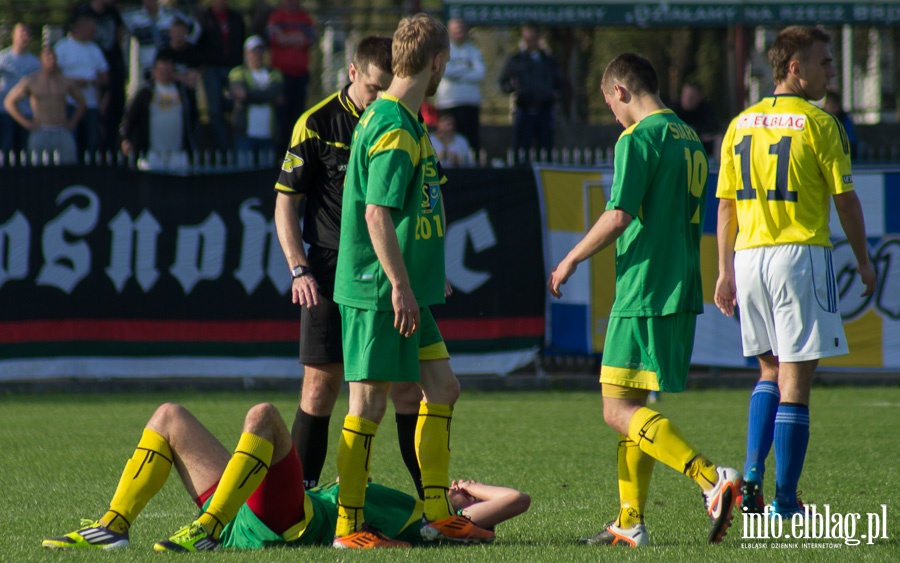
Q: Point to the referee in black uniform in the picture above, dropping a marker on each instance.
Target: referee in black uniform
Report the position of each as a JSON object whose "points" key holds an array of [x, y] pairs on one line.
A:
{"points": [[313, 172]]}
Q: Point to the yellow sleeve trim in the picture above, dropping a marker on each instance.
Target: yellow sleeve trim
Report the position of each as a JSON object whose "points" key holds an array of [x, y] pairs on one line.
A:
{"points": [[398, 139]]}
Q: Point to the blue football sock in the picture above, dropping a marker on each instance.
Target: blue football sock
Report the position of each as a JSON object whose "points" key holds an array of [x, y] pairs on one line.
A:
{"points": [[760, 428], [791, 439]]}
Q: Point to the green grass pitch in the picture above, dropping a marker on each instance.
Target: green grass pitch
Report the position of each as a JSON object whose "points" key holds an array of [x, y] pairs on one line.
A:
{"points": [[61, 457]]}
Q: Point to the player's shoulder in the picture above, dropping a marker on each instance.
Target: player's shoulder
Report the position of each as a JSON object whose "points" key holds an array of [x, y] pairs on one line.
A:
{"points": [[327, 116], [384, 115]]}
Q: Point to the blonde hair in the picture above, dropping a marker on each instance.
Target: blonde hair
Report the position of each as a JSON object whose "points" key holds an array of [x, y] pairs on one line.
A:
{"points": [[417, 41]]}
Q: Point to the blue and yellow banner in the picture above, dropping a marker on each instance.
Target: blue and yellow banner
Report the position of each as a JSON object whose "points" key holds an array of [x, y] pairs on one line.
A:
{"points": [[572, 200]]}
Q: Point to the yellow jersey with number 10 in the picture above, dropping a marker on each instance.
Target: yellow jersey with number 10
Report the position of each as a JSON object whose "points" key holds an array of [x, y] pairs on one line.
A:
{"points": [[782, 161]]}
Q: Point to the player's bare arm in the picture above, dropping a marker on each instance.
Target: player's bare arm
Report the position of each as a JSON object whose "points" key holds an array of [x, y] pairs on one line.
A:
{"points": [[605, 231], [11, 103], [725, 297], [384, 240], [304, 289], [850, 213], [489, 505]]}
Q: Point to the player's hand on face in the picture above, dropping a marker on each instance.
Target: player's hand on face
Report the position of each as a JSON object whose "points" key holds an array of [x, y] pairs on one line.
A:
{"points": [[867, 274], [305, 291], [725, 297], [560, 274], [406, 311]]}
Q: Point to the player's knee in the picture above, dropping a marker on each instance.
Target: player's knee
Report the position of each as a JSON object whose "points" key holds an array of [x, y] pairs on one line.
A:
{"points": [[442, 390], [165, 415], [260, 415]]}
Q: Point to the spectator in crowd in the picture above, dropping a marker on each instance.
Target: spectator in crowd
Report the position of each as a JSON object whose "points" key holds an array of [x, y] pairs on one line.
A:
{"points": [[150, 25], [159, 122], [110, 31], [258, 92], [460, 91], [15, 63], [452, 149], [260, 12], [532, 76], [50, 124], [81, 60], [223, 35], [695, 109], [834, 107], [184, 55], [291, 33]]}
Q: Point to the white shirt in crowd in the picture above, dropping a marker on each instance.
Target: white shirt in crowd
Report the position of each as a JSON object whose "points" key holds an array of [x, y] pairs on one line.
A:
{"points": [[259, 116], [456, 153], [461, 85], [81, 59], [166, 123]]}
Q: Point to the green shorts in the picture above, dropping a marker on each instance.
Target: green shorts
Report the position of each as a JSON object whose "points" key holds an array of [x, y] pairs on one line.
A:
{"points": [[651, 353], [375, 350]]}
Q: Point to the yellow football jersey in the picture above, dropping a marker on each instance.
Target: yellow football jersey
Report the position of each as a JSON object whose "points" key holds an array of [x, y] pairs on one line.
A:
{"points": [[782, 160]]}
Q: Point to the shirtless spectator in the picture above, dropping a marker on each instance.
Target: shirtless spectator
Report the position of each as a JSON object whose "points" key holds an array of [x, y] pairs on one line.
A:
{"points": [[50, 129]]}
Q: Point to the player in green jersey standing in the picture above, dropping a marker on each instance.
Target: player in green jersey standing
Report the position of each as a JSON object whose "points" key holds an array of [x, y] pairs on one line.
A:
{"points": [[655, 217], [390, 269], [783, 162]]}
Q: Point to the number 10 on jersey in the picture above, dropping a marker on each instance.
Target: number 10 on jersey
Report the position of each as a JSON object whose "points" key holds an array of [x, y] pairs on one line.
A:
{"points": [[697, 171]]}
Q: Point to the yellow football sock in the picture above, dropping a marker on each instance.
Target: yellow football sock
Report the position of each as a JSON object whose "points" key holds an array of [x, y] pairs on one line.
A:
{"points": [[245, 471], [144, 475], [353, 456], [635, 470], [433, 450], [658, 437], [703, 471]]}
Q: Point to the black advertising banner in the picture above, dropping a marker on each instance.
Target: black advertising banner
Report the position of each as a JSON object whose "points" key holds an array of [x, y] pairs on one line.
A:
{"points": [[107, 261]]}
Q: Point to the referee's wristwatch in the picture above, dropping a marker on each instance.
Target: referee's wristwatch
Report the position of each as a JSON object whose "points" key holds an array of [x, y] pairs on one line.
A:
{"points": [[300, 271]]}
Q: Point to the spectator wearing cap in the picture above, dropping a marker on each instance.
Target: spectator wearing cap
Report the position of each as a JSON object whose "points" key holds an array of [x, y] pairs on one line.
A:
{"points": [[257, 91], [221, 40]]}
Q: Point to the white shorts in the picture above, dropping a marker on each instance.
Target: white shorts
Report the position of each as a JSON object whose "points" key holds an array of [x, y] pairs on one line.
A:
{"points": [[788, 302]]}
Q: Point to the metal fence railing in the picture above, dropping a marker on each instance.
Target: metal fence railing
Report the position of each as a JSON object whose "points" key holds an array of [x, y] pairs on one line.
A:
{"points": [[223, 161]]}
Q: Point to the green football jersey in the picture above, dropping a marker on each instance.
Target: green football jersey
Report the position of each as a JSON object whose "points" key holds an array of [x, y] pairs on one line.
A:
{"points": [[394, 513], [660, 180], [392, 164]]}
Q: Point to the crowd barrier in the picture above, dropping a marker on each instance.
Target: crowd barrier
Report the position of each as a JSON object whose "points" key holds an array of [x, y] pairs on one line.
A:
{"points": [[106, 271]]}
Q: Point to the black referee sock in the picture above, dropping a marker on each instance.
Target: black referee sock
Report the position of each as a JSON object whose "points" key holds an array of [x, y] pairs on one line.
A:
{"points": [[310, 436], [406, 436]]}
